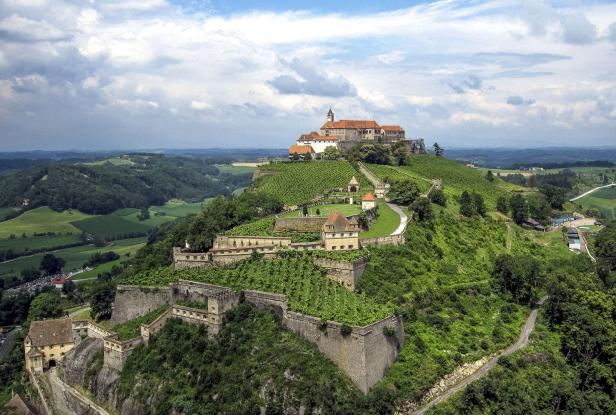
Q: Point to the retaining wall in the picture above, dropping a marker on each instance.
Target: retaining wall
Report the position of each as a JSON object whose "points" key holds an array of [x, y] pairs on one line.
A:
{"points": [[383, 240], [348, 273], [133, 301], [300, 224], [116, 352]]}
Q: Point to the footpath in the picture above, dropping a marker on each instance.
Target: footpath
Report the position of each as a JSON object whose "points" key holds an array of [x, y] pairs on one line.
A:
{"points": [[483, 370]]}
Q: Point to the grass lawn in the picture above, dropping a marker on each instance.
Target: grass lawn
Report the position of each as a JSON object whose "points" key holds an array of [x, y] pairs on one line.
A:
{"points": [[227, 168], [326, 210], [74, 257], [41, 220], [111, 226], [386, 222], [19, 244]]}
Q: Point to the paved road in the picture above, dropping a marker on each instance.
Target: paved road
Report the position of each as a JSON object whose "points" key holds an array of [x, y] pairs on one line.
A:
{"points": [[403, 219], [590, 191], [522, 341], [60, 388], [8, 340]]}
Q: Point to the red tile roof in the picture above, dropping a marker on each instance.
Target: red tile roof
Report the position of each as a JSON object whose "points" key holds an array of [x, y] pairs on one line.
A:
{"points": [[368, 197], [314, 136], [338, 223], [392, 128], [59, 280], [300, 149], [351, 124]]}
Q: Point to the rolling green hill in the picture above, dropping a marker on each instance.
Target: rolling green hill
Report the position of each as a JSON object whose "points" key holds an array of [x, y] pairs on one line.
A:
{"points": [[300, 182], [102, 187]]}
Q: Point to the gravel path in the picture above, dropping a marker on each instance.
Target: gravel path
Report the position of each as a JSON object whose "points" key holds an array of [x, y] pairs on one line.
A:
{"points": [[60, 388], [522, 341], [590, 191]]}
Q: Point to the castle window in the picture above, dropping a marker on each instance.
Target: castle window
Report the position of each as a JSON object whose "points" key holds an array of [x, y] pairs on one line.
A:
{"points": [[350, 246]]}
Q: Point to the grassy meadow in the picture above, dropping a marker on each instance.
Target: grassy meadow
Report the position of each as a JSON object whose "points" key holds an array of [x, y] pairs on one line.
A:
{"points": [[387, 221], [42, 220]]}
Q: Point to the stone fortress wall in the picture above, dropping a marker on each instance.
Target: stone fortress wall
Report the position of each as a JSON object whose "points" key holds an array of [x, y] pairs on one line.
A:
{"points": [[364, 355]]}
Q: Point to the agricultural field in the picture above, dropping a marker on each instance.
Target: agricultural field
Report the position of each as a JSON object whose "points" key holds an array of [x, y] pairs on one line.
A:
{"points": [[300, 182], [42, 220], [74, 257], [386, 222], [20, 245], [307, 289], [111, 227], [227, 168], [326, 210], [603, 199], [179, 208]]}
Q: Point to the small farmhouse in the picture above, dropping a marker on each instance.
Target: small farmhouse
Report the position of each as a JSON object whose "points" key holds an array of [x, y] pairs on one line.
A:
{"points": [[47, 343], [368, 201], [301, 152], [339, 233]]}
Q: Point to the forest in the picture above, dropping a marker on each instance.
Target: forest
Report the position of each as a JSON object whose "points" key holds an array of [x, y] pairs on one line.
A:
{"points": [[100, 188]]}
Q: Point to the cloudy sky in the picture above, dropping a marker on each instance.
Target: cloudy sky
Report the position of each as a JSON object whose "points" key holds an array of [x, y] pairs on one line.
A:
{"points": [[117, 74]]}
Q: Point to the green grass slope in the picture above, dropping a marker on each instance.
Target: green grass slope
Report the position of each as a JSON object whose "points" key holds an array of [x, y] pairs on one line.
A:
{"points": [[42, 220], [300, 182], [602, 199], [442, 282], [456, 177]]}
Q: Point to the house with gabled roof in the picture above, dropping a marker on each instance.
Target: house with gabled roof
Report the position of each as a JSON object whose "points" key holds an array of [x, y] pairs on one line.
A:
{"points": [[368, 201], [339, 233], [47, 342]]}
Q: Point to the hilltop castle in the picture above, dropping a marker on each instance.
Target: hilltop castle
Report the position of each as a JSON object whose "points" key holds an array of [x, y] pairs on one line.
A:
{"points": [[343, 134]]}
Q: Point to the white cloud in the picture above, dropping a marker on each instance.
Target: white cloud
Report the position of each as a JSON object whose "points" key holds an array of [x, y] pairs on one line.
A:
{"points": [[442, 69]]}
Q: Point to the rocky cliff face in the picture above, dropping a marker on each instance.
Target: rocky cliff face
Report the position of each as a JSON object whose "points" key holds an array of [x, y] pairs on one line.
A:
{"points": [[77, 361]]}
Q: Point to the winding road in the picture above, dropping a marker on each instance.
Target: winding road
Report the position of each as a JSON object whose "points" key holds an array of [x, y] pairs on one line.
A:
{"points": [[60, 388], [590, 191], [403, 219], [522, 341]]}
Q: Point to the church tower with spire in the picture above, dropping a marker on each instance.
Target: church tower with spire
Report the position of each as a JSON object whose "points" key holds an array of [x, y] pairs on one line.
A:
{"points": [[330, 115]]}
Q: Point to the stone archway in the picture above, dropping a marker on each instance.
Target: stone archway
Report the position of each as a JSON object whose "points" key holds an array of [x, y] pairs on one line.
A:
{"points": [[52, 363]]}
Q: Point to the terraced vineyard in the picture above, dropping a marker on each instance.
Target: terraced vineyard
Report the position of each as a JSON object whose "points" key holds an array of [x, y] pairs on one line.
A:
{"points": [[391, 173], [300, 182], [308, 291]]}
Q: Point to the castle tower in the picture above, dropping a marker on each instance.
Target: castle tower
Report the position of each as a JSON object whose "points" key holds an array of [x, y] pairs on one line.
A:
{"points": [[330, 115]]}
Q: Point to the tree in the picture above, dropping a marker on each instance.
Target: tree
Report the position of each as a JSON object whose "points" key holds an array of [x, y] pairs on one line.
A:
{"points": [[304, 210], [539, 209], [46, 305], [480, 207], [502, 204], [467, 207], [103, 295], [519, 209], [144, 213], [519, 276], [556, 196], [438, 150], [438, 196], [490, 176], [403, 192], [605, 251], [399, 153], [330, 153], [52, 265], [423, 209]]}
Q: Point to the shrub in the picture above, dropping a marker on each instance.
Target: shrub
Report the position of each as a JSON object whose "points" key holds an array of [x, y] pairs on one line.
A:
{"points": [[345, 330]]}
